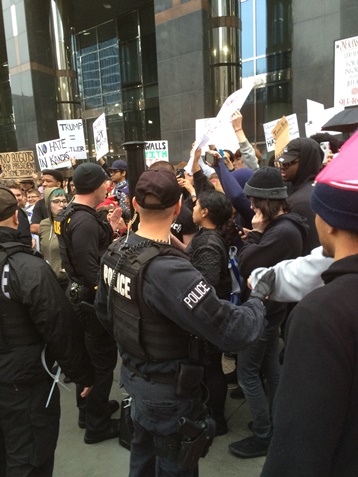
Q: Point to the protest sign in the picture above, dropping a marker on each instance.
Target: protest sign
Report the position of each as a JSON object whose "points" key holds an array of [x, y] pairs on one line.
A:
{"points": [[317, 116], [223, 136], [346, 72], [156, 151], [281, 134], [268, 127], [100, 136], [232, 103], [72, 131], [17, 165], [53, 154]]}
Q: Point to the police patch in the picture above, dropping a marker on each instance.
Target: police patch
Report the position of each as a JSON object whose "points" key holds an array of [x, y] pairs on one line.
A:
{"points": [[196, 294]]}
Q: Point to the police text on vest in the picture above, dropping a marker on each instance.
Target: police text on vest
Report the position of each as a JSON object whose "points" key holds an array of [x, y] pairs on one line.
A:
{"points": [[196, 294], [122, 283]]}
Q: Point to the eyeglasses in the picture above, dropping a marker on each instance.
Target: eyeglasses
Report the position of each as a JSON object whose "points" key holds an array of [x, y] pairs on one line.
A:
{"points": [[59, 201], [33, 197], [286, 165]]}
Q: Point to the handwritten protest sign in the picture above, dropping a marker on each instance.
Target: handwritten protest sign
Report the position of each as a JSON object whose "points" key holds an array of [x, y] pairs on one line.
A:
{"points": [[346, 72], [156, 151], [268, 127], [281, 134], [53, 154], [72, 131], [100, 136], [17, 165]]}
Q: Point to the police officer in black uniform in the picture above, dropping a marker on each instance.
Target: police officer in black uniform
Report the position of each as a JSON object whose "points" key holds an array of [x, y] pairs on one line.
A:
{"points": [[158, 306], [83, 238], [35, 314]]}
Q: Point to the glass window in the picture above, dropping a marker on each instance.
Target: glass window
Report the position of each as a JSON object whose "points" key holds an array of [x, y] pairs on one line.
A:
{"points": [[107, 35], [247, 29], [149, 59], [128, 26], [146, 19], [111, 99], [261, 66], [87, 41], [109, 67], [261, 22], [152, 124], [129, 61], [91, 77], [94, 102], [248, 68]]}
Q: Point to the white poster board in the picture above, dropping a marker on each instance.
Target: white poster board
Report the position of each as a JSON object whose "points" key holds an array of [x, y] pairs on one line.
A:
{"points": [[53, 154], [346, 72], [268, 127], [156, 151], [72, 131], [100, 136]]}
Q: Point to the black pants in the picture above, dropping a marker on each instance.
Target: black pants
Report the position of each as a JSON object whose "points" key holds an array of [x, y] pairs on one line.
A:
{"points": [[102, 350], [28, 430]]}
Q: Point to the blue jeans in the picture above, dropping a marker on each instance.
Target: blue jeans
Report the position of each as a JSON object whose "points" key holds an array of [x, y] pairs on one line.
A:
{"points": [[261, 356], [155, 412]]}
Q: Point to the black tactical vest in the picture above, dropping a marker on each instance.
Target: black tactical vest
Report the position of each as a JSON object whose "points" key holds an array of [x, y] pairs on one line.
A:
{"points": [[139, 331], [60, 225], [16, 329]]}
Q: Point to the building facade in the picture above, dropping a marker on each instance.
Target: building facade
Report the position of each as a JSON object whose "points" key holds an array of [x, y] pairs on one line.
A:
{"points": [[155, 66]]}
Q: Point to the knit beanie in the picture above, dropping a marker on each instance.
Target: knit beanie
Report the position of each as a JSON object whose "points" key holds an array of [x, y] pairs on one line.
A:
{"points": [[336, 206], [266, 183], [88, 177]]}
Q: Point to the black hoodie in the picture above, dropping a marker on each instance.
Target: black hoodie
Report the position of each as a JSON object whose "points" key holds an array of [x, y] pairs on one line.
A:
{"points": [[300, 191]]}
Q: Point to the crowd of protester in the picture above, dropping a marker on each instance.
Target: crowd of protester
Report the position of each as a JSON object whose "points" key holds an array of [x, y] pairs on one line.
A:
{"points": [[233, 200]]}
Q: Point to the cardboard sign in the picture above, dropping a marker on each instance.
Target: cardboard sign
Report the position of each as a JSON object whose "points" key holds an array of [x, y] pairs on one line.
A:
{"points": [[156, 151], [100, 136], [270, 140], [17, 165], [281, 134], [53, 154], [72, 131]]}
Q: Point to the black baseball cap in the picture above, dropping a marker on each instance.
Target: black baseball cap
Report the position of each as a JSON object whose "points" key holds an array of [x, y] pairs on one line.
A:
{"points": [[162, 184]]}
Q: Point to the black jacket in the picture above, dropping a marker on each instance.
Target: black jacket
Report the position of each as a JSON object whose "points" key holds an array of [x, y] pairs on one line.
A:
{"points": [[282, 239], [315, 421], [300, 192], [31, 283]]}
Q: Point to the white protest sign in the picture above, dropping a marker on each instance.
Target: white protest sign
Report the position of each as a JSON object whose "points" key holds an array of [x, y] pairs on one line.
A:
{"points": [[232, 103], [268, 127], [53, 154], [72, 131], [223, 136], [317, 116], [156, 151], [100, 136], [346, 72]]}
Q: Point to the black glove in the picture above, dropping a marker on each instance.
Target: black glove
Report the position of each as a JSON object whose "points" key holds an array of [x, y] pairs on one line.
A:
{"points": [[264, 286]]}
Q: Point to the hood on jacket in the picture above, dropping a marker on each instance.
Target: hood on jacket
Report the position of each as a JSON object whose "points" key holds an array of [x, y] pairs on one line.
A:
{"points": [[309, 164], [298, 220], [47, 198]]}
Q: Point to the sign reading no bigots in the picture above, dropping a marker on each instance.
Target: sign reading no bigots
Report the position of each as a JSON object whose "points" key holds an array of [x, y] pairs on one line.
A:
{"points": [[17, 165]]}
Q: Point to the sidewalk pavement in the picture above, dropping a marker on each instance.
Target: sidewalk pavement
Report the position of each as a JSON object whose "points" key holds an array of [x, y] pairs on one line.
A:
{"points": [[74, 458]]}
